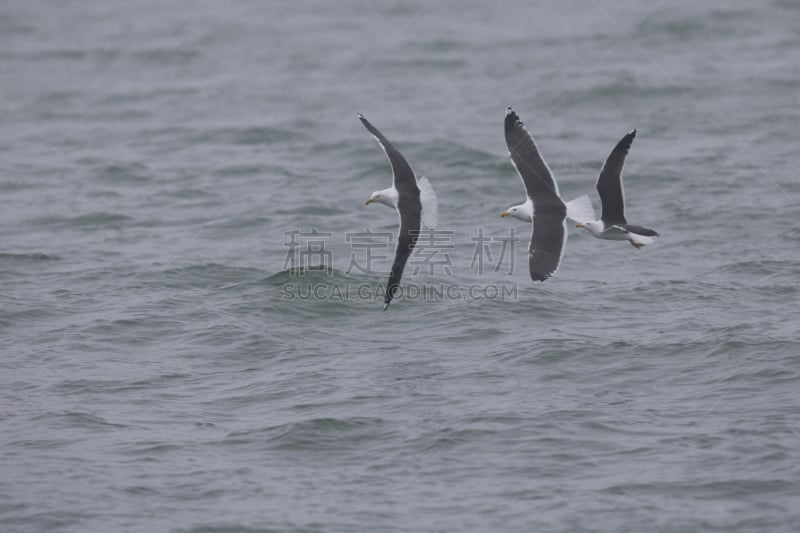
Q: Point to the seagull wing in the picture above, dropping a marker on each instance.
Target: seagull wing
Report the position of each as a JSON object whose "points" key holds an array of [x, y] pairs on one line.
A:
{"points": [[409, 207], [639, 230], [549, 236], [609, 183], [410, 218], [548, 242], [531, 167], [402, 174]]}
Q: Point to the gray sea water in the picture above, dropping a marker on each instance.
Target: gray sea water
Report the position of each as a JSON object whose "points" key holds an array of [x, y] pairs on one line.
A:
{"points": [[164, 366]]}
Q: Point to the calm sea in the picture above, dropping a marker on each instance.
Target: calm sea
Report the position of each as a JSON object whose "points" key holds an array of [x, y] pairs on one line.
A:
{"points": [[191, 335]]}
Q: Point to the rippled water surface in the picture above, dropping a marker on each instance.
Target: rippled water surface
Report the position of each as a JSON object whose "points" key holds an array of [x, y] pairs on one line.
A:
{"points": [[163, 367]]}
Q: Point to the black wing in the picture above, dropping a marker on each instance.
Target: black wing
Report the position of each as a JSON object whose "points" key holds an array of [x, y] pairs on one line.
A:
{"points": [[410, 216], [639, 230], [609, 184], [403, 176], [549, 212], [408, 205], [535, 174], [547, 244]]}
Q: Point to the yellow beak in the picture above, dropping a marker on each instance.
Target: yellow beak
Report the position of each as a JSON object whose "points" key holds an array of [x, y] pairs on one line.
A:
{"points": [[369, 201], [504, 214], [578, 225]]}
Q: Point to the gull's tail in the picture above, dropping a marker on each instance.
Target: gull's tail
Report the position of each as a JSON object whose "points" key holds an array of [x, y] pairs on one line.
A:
{"points": [[580, 209], [640, 240], [430, 205]]}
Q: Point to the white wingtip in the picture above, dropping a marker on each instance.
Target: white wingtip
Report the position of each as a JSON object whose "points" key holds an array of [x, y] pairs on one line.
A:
{"points": [[509, 110], [359, 115]]}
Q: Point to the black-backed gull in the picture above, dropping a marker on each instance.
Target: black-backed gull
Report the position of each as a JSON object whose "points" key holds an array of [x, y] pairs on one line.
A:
{"points": [[612, 224], [414, 200]]}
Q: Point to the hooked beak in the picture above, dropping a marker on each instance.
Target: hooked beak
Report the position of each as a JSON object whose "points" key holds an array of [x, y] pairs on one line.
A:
{"points": [[504, 214], [579, 225], [369, 201]]}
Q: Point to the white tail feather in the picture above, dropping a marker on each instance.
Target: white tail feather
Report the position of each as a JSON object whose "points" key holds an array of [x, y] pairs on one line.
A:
{"points": [[641, 240], [430, 207], [580, 209]]}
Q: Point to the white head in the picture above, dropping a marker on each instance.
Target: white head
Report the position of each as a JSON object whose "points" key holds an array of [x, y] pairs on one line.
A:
{"points": [[594, 227], [521, 211], [386, 197]]}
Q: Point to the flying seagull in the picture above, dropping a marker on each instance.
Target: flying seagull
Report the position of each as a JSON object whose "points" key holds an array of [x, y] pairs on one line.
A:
{"points": [[414, 200], [612, 224], [544, 206]]}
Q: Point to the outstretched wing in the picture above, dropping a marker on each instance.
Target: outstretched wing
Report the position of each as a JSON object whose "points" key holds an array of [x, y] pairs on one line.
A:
{"points": [[531, 167], [609, 183], [409, 207], [402, 174], [548, 242], [549, 236], [410, 217]]}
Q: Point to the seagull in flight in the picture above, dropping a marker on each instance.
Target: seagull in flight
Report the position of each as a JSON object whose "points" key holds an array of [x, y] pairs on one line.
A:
{"points": [[414, 200], [612, 224]]}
